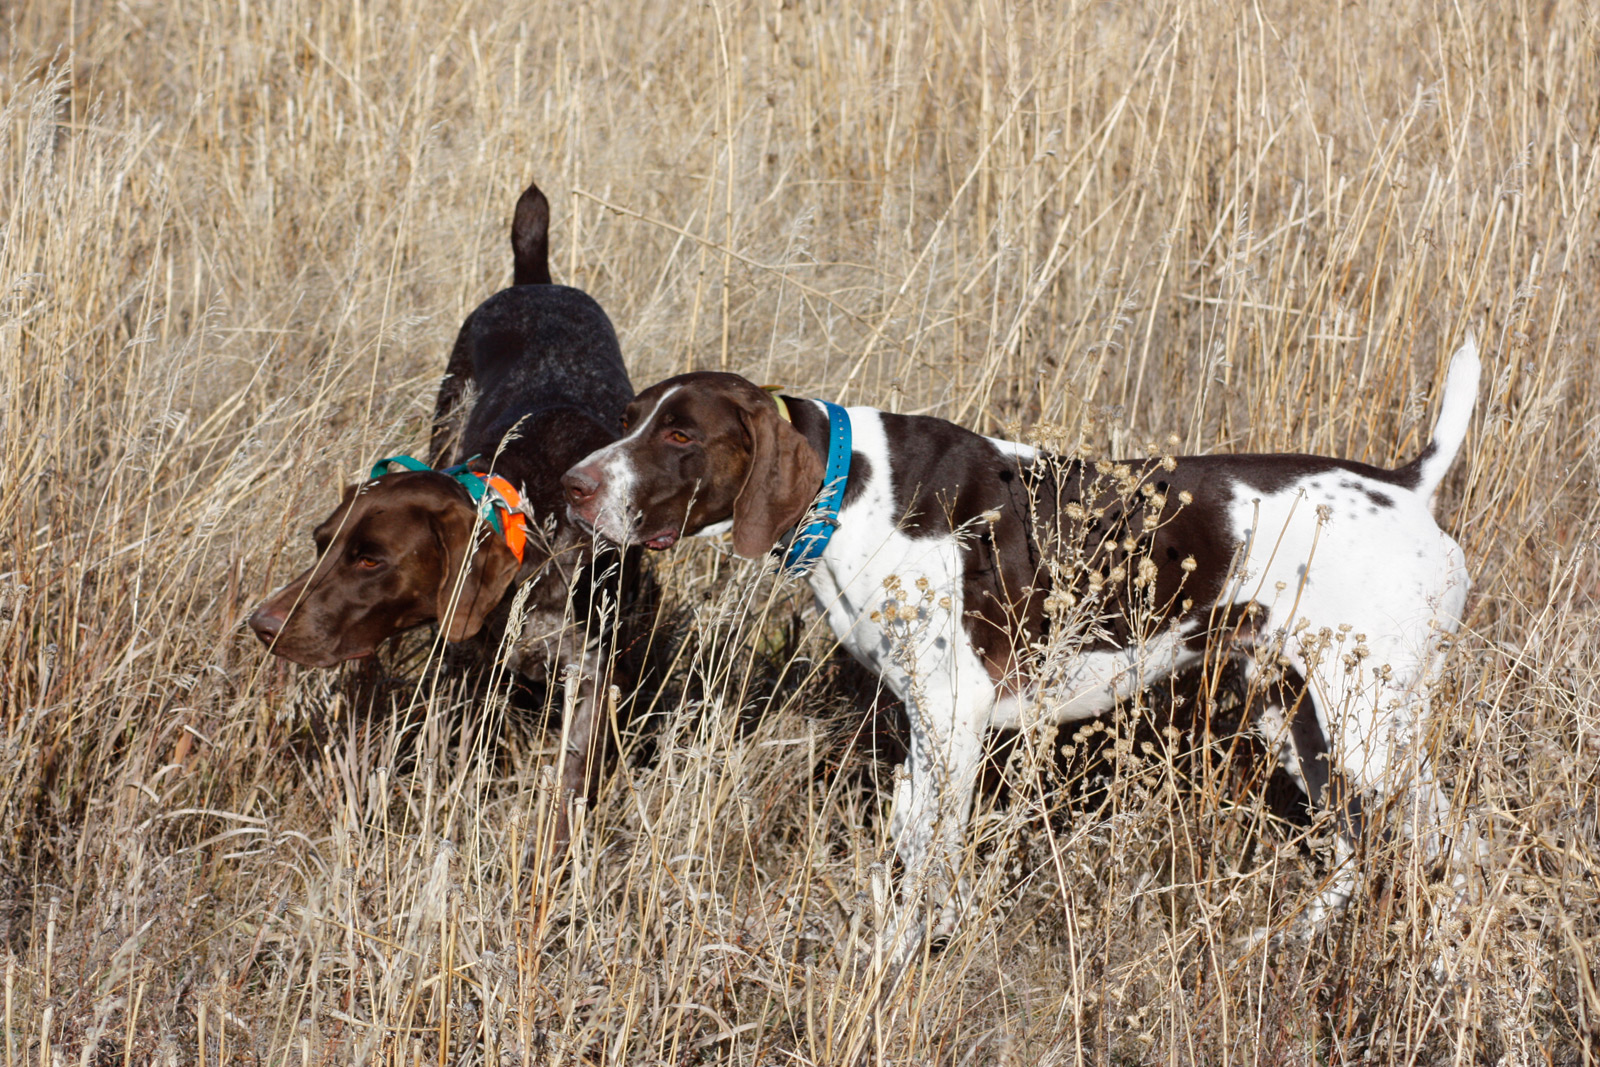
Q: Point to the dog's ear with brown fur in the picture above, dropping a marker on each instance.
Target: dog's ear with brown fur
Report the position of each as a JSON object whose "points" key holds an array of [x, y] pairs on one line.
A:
{"points": [[478, 569], [784, 477]]}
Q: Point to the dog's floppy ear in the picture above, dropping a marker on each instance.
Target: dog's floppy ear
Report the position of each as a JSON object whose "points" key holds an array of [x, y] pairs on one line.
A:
{"points": [[784, 477], [478, 568]]}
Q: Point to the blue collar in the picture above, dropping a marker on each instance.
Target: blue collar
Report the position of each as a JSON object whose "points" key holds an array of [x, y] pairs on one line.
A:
{"points": [[810, 539]]}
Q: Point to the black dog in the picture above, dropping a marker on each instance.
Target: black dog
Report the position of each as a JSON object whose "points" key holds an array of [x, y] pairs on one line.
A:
{"points": [[535, 382]]}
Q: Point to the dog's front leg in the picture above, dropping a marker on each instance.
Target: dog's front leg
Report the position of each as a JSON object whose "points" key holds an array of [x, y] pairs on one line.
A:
{"points": [[933, 802], [583, 740]]}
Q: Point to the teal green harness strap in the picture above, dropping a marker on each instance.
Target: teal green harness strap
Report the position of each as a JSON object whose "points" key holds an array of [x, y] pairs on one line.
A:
{"points": [[474, 483], [410, 463]]}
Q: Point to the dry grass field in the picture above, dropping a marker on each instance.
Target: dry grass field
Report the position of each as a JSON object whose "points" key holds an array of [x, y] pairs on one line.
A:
{"points": [[236, 240]]}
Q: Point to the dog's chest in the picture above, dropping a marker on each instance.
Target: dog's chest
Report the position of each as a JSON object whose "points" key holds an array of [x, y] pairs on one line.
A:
{"points": [[892, 600], [893, 603]]}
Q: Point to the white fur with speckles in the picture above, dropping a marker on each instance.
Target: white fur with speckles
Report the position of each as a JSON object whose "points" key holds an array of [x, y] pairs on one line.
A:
{"points": [[1321, 556]]}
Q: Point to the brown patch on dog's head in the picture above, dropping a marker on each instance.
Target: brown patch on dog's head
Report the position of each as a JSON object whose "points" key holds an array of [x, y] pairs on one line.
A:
{"points": [[698, 450], [397, 552]]}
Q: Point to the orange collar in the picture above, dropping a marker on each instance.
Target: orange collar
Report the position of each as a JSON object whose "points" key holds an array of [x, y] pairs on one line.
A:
{"points": [[516, 521]]}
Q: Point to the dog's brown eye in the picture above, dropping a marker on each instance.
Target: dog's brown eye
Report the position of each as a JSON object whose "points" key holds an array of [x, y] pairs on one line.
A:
{"points": [[677, 437], [368, 562]]}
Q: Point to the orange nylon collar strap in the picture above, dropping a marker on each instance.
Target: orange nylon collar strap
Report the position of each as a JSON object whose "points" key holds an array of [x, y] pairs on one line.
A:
{"points": [[516, 521]]}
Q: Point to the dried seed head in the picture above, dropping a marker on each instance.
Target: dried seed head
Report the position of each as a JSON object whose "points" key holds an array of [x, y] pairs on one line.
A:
{"points": [[1059, 603]]}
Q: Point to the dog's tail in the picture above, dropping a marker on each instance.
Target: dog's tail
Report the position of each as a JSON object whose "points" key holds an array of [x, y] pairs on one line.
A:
{"points": [[530, 238], [1455, 411]]}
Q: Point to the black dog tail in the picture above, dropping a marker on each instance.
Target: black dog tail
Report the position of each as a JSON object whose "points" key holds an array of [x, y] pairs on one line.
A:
{"points": [[530, 238]]}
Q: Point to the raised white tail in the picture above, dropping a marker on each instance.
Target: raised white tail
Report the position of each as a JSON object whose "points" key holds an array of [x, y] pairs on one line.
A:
{"points": [[1455, 411]]}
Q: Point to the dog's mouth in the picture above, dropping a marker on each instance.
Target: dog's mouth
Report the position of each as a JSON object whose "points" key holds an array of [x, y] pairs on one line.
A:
{"points": [[663, 540], [604, 526], [319, 659]]}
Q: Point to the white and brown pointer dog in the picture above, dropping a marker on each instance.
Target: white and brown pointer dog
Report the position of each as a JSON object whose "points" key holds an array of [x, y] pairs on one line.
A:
{"points": [[993, 586]]}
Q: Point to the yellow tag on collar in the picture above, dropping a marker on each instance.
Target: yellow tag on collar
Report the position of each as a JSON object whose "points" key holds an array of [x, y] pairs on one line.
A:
{"points": [[783, 409]]}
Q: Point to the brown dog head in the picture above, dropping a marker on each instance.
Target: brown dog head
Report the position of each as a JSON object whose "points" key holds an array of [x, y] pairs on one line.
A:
{"points": [[697, 450], [397, 552]]}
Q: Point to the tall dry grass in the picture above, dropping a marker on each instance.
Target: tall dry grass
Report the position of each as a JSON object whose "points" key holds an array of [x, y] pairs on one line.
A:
{"points": [[235, 242]]}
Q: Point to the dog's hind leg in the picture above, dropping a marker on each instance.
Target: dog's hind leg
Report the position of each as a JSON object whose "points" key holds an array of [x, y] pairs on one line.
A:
{"points": [[1389, 755], [1360, 755], [1328, 789]]}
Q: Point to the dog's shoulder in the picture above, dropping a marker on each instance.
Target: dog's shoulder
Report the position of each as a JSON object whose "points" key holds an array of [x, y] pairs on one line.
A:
{"points": [[942, 476]]}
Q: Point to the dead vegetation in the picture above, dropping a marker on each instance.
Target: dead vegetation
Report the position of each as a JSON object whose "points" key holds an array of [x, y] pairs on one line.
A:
{"points": [[235, 242]]}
